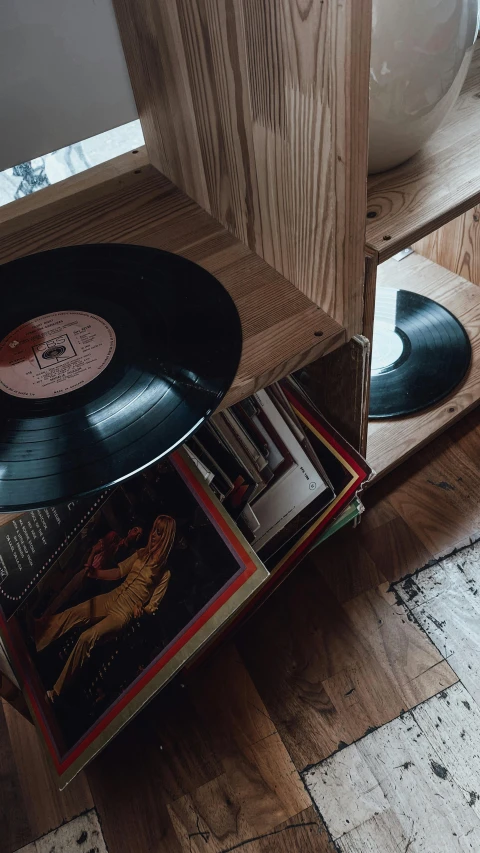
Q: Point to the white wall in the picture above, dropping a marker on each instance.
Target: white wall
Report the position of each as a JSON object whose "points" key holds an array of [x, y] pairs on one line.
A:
{"points": [[63, 76]]}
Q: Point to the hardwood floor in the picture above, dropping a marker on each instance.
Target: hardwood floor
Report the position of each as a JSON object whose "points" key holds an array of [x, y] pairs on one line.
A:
{"points": [[414, 783], [410, 786], [213, 765], [445, 603]]}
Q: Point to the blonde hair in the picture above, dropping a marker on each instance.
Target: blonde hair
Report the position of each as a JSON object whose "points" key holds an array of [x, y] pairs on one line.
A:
{"points": [[159, 553]]}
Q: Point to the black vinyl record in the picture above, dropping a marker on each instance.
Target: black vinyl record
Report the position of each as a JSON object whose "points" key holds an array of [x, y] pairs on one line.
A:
{"points": [[110, 356], [420, 353]]}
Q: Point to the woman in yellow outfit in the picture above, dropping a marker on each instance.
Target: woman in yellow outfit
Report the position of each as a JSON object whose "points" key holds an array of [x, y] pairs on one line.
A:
{"points": [[145, 584]]}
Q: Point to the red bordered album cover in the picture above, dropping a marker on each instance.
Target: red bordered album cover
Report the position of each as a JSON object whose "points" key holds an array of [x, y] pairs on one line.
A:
{"points": [[147, 582], [345, 469]]}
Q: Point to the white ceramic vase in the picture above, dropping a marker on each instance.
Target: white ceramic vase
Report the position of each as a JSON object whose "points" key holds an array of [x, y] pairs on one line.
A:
{"points": [[421, 50]]}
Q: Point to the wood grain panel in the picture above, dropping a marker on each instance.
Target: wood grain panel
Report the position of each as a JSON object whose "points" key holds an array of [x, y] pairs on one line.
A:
{"points": [[456, 245], [282, 328], [303, 833], [115, 170], [259, 112], [435, 186], [13, 695], [15, 827], [209, 833], [392, 440], [371, 264], [448, 511], [426, 508], [222, 775], [394, 546], [44, 807], [326, 672], [338, 385]]}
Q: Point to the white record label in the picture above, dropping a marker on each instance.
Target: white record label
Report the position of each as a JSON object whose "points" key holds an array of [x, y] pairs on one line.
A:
{"points": [[54, 354]]}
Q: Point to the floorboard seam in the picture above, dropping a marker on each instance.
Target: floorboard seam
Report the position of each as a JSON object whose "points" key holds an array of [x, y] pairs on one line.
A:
{"points": [[435, 561], [317, 810], [372, 729], [411, 711]]}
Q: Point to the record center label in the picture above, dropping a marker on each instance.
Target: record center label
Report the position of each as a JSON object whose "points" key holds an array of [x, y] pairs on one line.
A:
{"points": [[54, 354]]}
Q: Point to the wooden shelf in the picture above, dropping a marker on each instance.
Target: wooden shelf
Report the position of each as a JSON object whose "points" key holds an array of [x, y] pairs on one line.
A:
{"points": [[391, 441], [128, 200], [436, 185]]}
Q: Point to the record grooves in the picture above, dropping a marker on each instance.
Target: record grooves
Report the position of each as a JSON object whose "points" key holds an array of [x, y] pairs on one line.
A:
{"points": [[420, 353], [110, 356]]}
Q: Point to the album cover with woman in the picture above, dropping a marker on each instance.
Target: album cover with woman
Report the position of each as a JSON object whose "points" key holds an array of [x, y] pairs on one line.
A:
{"points": [[153, 573]]}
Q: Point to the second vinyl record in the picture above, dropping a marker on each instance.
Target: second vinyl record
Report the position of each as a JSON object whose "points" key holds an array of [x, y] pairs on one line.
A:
{"points": [[420, 353], [110, 356]]}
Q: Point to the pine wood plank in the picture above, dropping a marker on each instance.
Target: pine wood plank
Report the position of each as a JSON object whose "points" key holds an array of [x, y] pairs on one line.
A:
{"points": [[456, 245], [15, 827], [435, 186], [211, 832], [392, 440], [282, 328], [259, 786], [338, 384], [440, 504], [13, 695], [131, 789], [44, 807], [116, 170], [259, 112], [251, 751], [301, 834], [371, 264], [327, 673], [395, 545], [222, 773], [383, 793], [424, 509], [346, 565]]}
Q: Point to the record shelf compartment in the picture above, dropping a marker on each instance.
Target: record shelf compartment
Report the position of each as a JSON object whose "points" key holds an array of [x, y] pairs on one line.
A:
{"points": [[394, 439], [128, 201], [439, 183], [429, 204]]}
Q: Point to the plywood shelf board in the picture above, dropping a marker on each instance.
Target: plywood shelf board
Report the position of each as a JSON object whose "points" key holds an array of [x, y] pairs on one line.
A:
{"points": [[391, 441], [456, 245], [128, 200], [438, 184]]}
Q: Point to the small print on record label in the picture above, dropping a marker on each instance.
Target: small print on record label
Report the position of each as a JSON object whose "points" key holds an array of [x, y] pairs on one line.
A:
{"points": [[54, 354]]}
